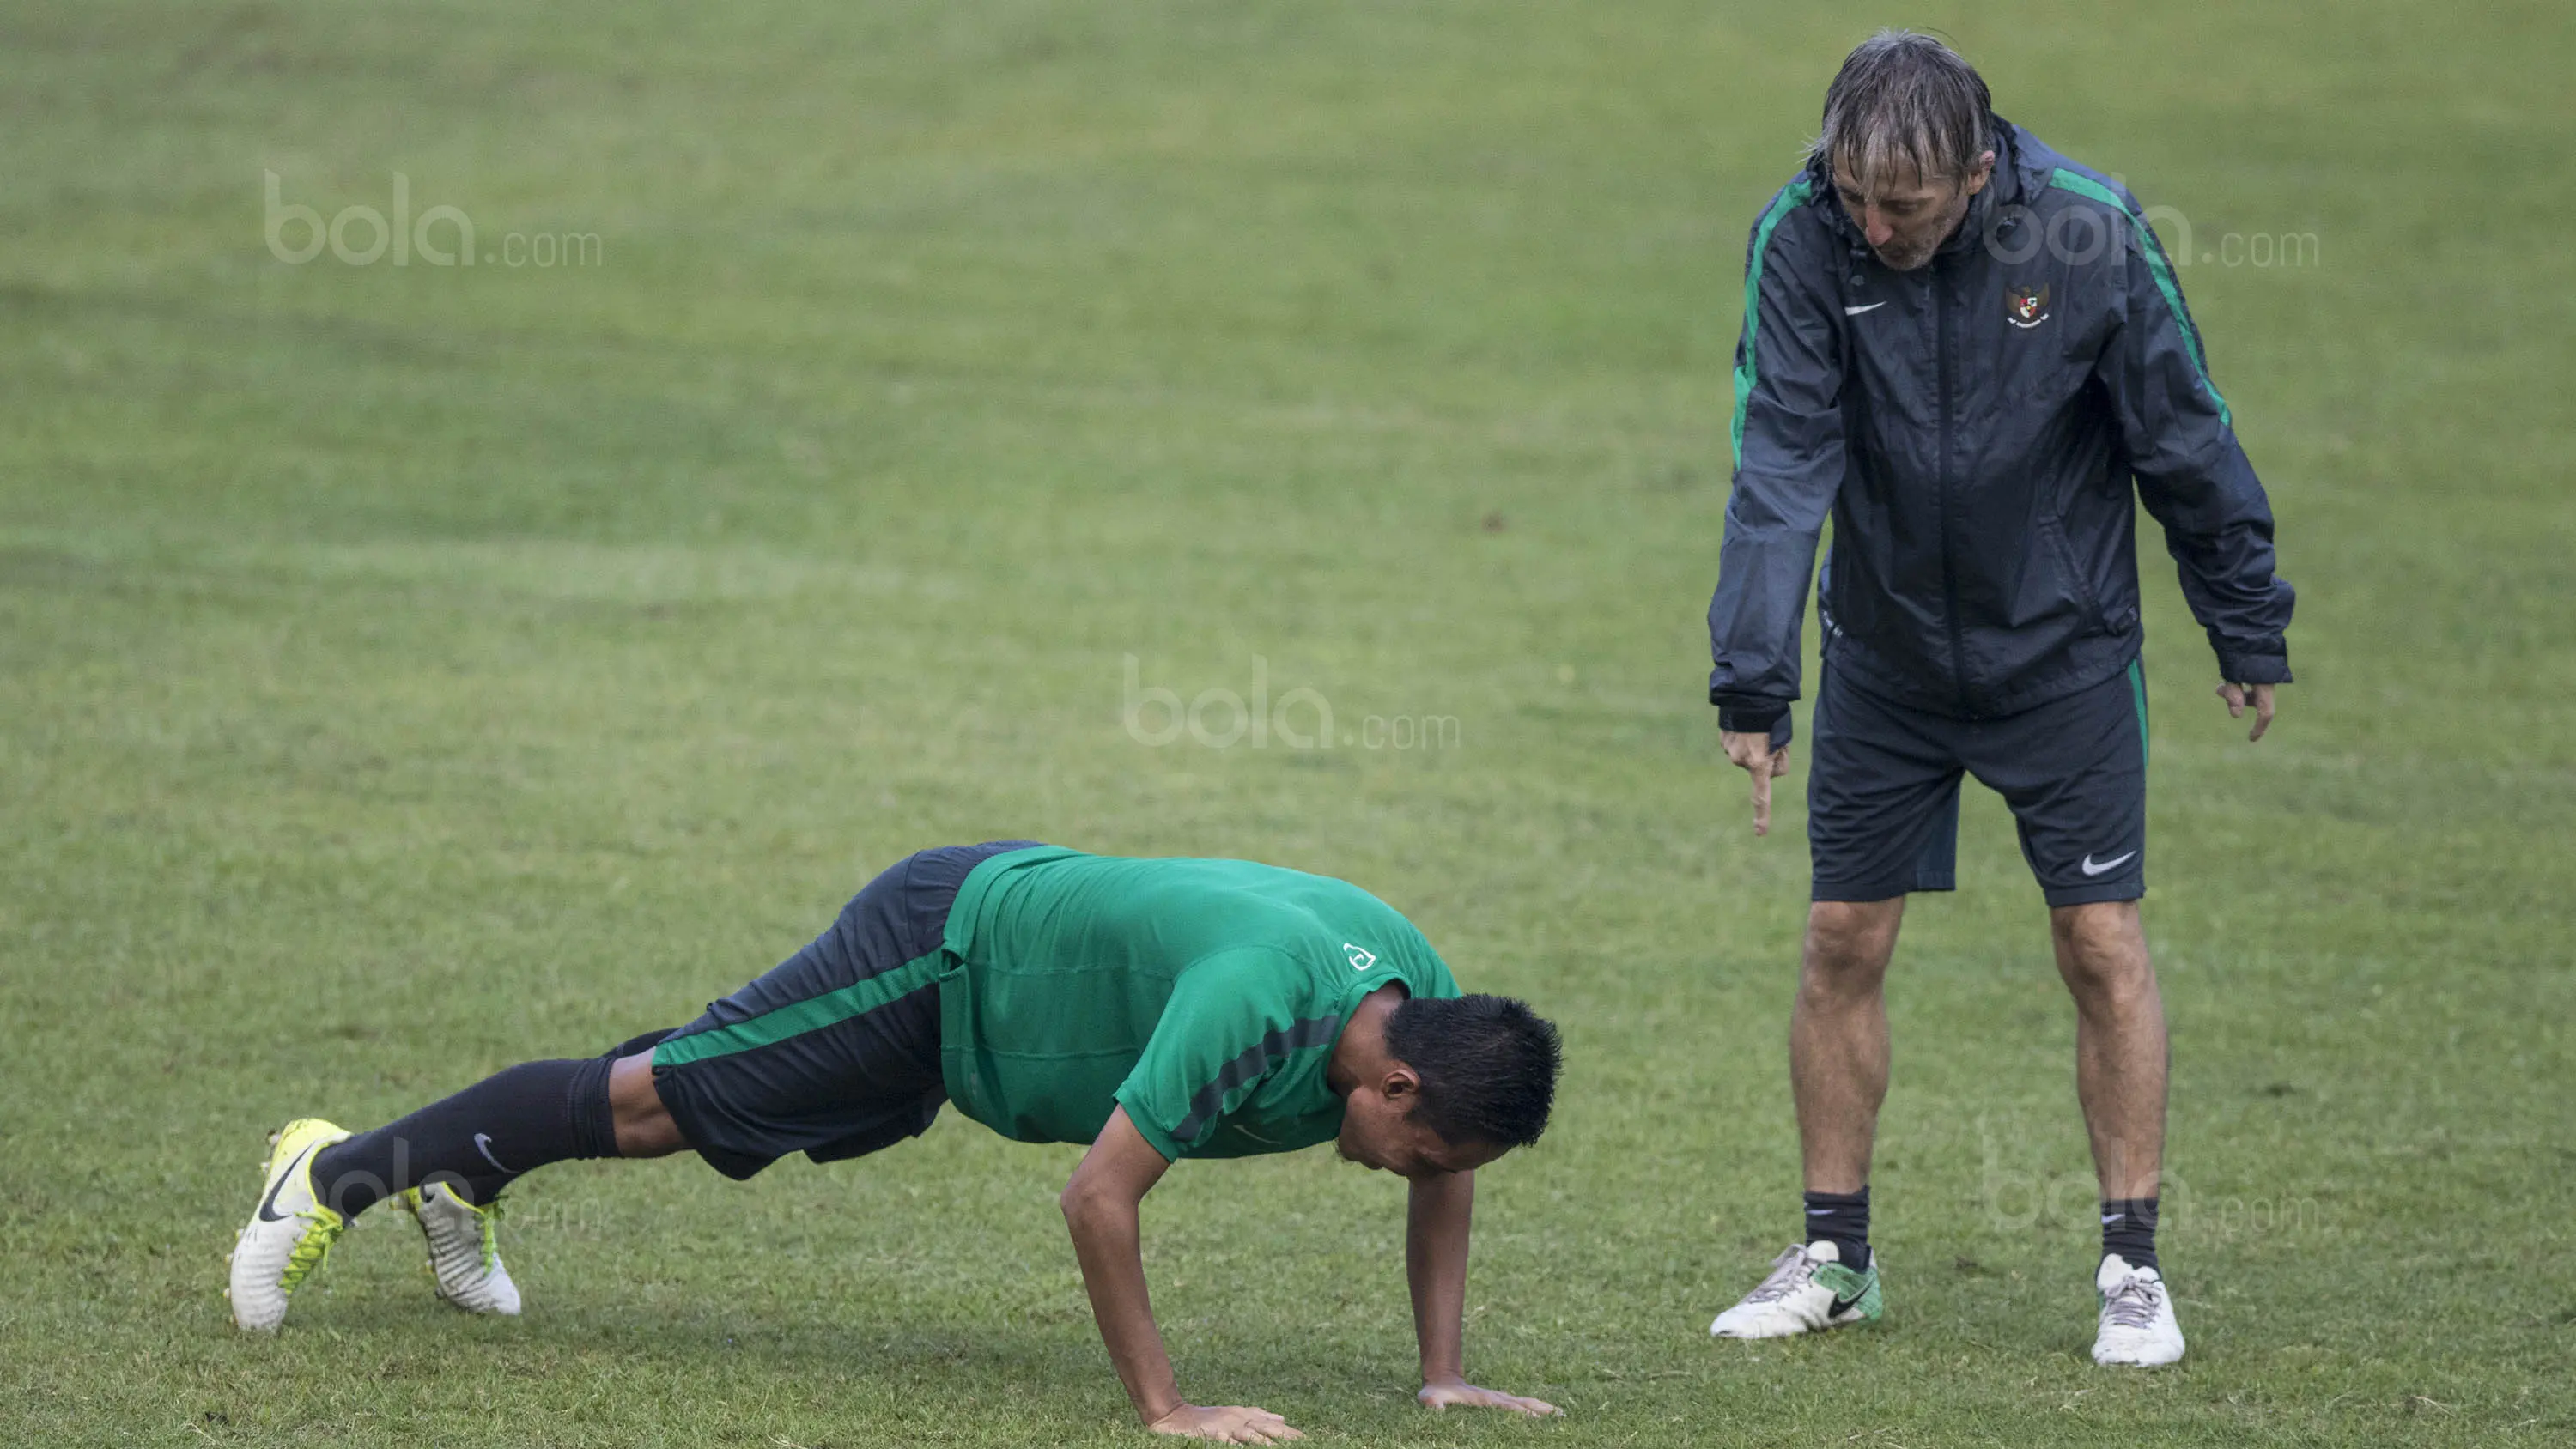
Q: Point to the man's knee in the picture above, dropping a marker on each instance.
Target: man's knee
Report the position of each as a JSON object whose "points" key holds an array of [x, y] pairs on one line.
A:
{"points": [[644, 1125], [1848, 945], [2102, 948]]}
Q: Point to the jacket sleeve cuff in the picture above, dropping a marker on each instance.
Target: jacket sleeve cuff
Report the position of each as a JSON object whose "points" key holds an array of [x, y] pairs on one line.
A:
{"points": [[1737, 715], [2254, 668]]}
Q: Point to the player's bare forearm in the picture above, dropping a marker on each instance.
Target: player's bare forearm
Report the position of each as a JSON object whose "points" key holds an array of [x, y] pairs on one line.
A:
{"points": [[1436, 1227], [1438, 1218], [1100, 1210]]}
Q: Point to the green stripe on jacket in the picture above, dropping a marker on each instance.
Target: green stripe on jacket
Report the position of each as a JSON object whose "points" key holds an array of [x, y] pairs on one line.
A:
{"points": [[1795, 194]]}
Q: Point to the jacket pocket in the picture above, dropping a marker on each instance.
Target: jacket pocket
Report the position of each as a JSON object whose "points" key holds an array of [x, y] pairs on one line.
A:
{"points": [[2079, 587]]}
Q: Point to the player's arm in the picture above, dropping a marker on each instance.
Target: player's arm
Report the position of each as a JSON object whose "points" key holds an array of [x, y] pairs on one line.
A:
{"points": [[1100, 1204], [1789, 458], [2194, 478], [1435, 1267]]}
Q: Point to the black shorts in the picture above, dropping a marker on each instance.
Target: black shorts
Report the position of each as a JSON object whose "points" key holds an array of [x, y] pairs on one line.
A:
{"points": [[834, 1053], [1883, 791]]}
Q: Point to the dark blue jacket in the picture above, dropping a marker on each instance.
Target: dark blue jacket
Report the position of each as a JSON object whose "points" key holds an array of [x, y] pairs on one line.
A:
{"points": [[1973, 427]]}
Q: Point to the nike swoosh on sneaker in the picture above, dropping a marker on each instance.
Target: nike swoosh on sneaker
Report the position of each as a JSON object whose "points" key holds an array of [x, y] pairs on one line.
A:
{"points": [[269, 1202], [1856, 311], [2113, 863], [1844, 1305]]}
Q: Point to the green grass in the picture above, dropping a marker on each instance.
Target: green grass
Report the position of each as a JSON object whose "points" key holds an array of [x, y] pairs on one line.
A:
{"points": [[409, 671]]}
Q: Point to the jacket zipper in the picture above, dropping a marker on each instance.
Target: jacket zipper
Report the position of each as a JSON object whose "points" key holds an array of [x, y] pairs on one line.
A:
{"points": [[1941, 476]]}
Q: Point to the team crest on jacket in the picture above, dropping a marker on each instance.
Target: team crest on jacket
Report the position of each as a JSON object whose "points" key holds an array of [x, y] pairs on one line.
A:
{"points": [[2026, 307]]}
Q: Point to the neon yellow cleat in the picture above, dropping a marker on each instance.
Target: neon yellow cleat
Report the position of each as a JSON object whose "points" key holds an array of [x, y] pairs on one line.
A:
{"points": [[290, 1234]]}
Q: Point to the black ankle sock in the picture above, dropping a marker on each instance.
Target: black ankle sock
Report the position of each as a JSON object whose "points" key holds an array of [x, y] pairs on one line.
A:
{"points": [[1841, 1218], [2129, 1229], [481, 1139]]}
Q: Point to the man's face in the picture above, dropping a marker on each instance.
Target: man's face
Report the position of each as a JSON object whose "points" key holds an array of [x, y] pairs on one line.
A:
{"points": [[1904, 216], [1378, 1132]]}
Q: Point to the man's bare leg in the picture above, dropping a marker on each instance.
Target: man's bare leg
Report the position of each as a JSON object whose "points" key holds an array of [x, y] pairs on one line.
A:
{"points": [[1838, 1044], [2120, 1069], [2120, 1052], [644, 1126], [1838, 1055]]}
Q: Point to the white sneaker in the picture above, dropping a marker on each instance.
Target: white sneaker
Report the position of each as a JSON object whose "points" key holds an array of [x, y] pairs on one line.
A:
{"points": [[1808, 1290], [290, 1234], [2138, 1324], [464, 1249]]}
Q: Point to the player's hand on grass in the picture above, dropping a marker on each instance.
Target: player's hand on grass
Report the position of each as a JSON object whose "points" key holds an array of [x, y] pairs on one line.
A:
{"points": [[1467, 1396], [1752, 752], [1233, 1424], [2239, 696]]}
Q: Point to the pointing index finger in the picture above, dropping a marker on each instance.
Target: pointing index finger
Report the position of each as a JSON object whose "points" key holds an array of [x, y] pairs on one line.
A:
{"points": [[1761, 773]]}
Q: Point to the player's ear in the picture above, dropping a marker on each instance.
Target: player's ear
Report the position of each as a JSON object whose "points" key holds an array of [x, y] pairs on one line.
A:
{"points": [[1981, 173], [1400, 1085]]}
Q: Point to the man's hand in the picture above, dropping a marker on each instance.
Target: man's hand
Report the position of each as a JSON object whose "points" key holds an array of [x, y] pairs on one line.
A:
{"points": [[2238, 696], [1752, 753], [1467, 1396], [1234, 1424], [1437, 1219]]}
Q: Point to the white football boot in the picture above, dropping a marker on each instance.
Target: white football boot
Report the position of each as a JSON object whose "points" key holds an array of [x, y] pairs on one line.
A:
{"points": [[2138, 1329], [290, 1234], [464, 1249], [1808, 1290]]}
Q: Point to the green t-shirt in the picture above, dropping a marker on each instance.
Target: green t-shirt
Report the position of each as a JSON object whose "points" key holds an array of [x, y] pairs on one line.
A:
{"points": [[1204, 996]]}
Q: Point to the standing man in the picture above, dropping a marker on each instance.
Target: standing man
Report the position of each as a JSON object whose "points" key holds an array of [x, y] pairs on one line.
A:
{"points": [[1965, 348]]}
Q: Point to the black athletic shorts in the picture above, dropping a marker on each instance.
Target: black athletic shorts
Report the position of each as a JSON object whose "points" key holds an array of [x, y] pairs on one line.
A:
{"points": [[834, 1053], [1883, 791]]}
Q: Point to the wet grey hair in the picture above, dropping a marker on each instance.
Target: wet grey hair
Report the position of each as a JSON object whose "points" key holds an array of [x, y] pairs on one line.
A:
{"points": [[1904, 101]]}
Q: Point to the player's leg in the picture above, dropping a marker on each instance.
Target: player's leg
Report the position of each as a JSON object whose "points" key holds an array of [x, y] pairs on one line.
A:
{"points": [[1882, 821], [2074, 773], [2120, 1050], [836, 1052], [445, 1163], [1838, 1043], [641, 1125]]}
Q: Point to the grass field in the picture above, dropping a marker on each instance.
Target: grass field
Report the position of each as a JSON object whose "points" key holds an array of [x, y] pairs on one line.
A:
{"points": [[410, 670]]}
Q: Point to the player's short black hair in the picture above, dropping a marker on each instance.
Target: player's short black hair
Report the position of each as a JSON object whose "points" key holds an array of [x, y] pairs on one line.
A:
{"points": [[1488, 1066]]}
